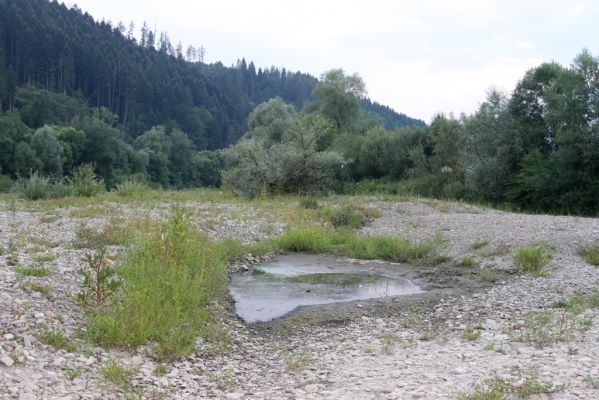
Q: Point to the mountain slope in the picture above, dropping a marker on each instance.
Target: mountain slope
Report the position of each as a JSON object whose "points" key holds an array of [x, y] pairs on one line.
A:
{"points": [[63, 50]]}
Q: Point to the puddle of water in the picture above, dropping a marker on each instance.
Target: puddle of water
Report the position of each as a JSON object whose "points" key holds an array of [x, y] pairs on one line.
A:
{"points": [[277, 288]]}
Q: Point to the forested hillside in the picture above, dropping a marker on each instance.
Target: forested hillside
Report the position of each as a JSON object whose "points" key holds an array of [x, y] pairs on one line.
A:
{"points": [[144, 83]]}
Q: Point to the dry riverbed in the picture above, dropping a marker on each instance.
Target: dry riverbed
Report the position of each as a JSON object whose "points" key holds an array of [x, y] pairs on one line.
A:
{"points": [[472, 324]]}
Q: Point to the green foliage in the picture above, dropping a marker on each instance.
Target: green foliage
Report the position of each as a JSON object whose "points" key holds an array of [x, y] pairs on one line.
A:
{"points": [[36, 187], [84, 183], [590, 254], [38, 272], [346, 243], [118, 374], [57, 339], [172, 276], [100, 280], [467, 261], [5, 183], [532, 259], [472, 335], [49, 150]]}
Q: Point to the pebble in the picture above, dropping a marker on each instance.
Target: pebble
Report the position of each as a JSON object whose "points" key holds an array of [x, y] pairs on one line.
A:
{"points": [[7, 361]]}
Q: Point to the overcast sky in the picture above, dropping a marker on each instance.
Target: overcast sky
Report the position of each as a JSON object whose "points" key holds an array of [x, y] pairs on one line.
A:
{"points": [[418, 57]]}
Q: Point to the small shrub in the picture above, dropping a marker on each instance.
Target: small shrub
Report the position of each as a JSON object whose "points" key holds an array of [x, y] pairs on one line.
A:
{"points": [[131, 189], [531, 259], [84, 183], [591, 254], [57, 339], [36, 187], [100, 278], [309, 203], [118, 374]]}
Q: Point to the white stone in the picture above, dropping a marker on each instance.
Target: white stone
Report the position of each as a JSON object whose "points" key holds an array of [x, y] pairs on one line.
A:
{"points": [[137, 361], [6, 360]]}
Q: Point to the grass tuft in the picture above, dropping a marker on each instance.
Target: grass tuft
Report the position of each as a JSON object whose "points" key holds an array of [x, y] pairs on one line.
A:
{"points": [[590, 254], [57, 339], [38, 272], [118, 374], [532, 259], [479, 244], [467, 261]]}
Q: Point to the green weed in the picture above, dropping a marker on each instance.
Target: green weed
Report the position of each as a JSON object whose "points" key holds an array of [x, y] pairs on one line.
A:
{"points": [[590, 254], [472, 335], [38, 272], [498, 389], [479, 244], [57, 339], [118, 374], [346, 243], [172, 276], [467, 261], [131, 189], [45, 258], [532, 259]]}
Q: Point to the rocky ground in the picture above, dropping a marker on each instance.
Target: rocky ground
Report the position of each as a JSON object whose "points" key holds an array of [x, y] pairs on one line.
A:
{"points": [[429, 347]]}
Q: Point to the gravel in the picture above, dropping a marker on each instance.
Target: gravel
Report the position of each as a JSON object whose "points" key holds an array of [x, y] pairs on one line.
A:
{"points": [[372, 357]]}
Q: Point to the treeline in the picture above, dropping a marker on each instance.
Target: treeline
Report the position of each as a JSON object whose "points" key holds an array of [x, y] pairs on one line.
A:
{"points": [[144, 83], [536, 149]]}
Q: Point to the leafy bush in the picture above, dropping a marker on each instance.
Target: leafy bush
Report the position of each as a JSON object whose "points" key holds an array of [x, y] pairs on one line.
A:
{"points": [[36, 187], [83, 181], [531, 259]]}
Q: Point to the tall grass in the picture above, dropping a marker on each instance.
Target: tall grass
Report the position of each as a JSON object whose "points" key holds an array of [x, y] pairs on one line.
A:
{"points": [[347, 243], [171, 277]]}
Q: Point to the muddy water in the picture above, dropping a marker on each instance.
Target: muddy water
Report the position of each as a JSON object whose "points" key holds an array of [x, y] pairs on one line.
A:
{"points": [[277, 288]]}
